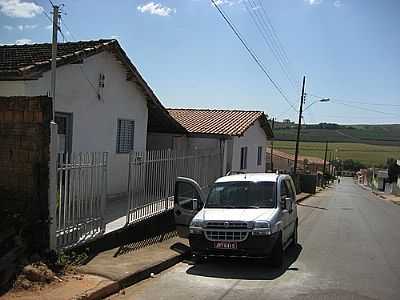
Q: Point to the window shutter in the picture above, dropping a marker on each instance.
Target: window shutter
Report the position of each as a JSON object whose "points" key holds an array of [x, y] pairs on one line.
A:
{"points": [[125, 136]]}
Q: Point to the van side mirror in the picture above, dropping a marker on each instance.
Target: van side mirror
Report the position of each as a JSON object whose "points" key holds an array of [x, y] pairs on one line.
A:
{"points": [[283, 202]]}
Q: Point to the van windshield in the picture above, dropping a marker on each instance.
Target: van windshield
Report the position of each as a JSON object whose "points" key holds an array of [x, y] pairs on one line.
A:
{"points": [[242, 194]]}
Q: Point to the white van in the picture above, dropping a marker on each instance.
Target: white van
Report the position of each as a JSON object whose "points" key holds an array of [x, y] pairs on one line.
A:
{"points": [[241, 216]]}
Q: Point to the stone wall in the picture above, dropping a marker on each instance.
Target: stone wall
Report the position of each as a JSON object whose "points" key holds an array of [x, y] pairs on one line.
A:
{"points": [[24, 175]]}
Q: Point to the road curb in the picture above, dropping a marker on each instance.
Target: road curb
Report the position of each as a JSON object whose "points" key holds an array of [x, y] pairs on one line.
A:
{"points": [[303, 198], [114, 287]]}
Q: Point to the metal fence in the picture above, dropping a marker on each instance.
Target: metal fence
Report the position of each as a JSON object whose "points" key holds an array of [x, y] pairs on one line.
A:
{"points": [[81, 196], [152, 176]]}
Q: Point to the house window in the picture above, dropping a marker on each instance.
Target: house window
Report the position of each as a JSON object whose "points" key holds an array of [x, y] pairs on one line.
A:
{"points": [[259, 156], [125, 136], [243, 158]]}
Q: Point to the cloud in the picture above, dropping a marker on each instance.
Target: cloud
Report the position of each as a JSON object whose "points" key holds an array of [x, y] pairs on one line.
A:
{"points": [[115, 37], [338, 3], [8, 27], [156, 9], [25, 27], [23, 41], [49, 27], [224, 2], [313, 2], [20, 8]]}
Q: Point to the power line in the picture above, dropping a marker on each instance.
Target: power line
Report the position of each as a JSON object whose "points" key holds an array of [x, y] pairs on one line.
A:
{"points": [[263, 29], [58, 26], [275, 39], [274, 32], [358, 102], [367, 109], [80, 66], [358, 107], [252, 54]]}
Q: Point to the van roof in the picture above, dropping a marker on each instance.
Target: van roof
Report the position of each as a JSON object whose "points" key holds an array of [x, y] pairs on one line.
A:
{"points": [[271, 177]]}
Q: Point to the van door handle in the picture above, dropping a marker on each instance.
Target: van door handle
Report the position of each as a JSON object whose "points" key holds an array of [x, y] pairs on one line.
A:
{"points": [[178, 212]]}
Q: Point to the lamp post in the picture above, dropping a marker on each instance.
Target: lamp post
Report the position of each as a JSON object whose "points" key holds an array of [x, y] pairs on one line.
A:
{"points": [[299, 124]]}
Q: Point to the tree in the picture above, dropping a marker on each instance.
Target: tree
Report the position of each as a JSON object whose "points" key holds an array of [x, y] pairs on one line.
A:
{"points": [[393, 169]]}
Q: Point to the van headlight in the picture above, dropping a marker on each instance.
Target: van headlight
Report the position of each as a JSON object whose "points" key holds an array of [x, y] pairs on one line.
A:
{"points": [[262, 228], [262, 225], [196, 227]]}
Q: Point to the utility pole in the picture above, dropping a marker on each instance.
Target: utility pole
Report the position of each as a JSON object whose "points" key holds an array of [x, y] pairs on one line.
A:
{"points": [[54, 58], [330, 163], [272, 147], [326, 152], [296, 155]]}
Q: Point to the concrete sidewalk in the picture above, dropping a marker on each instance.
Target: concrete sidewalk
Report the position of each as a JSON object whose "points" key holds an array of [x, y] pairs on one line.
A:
{"points": [[128, 264], [385, 196]]}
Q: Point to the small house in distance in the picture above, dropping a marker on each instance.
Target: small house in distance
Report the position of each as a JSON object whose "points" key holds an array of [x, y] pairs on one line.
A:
{"points": [[242, 135]]}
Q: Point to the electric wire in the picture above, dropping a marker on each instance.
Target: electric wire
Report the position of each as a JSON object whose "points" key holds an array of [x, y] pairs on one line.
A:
{"points": [[266, 36], [251, 52]]}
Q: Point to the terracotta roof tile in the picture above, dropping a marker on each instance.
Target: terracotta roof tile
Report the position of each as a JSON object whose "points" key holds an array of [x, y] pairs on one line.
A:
{"points": [[20, 58], [25, 62], [220, 122]]}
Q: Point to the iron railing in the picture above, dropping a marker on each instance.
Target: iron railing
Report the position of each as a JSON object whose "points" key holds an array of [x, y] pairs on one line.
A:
{"points": [[152, 176], [81, 196]]}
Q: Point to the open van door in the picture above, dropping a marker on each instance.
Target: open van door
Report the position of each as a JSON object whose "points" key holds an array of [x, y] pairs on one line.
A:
{"points": [[188, 200]]}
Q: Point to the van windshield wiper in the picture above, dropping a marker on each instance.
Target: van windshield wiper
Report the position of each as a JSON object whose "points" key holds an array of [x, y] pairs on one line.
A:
{"points": [[221, 206], [247, 206]]}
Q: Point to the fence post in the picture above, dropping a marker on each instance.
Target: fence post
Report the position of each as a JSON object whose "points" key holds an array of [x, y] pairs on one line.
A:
{"points": [[52, 192], [130, 189], [104, 190], [167, 179]]}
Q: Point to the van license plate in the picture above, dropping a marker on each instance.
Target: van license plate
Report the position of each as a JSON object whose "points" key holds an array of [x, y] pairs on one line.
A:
{"points": [[225, 245]]}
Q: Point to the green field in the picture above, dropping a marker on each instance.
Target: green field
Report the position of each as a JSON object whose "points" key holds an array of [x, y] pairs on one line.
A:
{"points": [[388, 135], [370, 155]]}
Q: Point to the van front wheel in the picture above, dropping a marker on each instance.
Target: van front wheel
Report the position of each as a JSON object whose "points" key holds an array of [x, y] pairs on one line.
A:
{"points": [[295, 235], [277, 253]]}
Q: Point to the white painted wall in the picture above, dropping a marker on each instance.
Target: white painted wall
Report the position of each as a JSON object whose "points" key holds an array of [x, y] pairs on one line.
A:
{"points": [[252, 138], [94, 121], [12, 88]]}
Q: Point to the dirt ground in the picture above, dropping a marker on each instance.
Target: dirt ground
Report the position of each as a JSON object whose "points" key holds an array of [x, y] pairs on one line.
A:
{"points": [[70, 286]]}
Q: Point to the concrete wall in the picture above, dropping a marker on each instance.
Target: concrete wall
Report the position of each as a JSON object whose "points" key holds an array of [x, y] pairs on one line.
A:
{"points": [[253, 138], [24, 178], [95, 121]]}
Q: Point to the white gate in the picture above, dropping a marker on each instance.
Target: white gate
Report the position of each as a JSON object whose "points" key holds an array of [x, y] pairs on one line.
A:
{"points": [[81, 196], [152, 177]]}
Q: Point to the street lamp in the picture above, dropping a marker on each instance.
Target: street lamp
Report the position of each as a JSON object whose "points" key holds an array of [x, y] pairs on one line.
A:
{"points": [[299, 124], [316, 101]]}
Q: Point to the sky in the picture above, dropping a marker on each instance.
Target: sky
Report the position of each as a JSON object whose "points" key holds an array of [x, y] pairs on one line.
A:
{"points": [[349, 51]]}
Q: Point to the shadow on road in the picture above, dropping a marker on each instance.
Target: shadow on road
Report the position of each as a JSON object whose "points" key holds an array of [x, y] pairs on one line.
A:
{"points": [[244, 268]]}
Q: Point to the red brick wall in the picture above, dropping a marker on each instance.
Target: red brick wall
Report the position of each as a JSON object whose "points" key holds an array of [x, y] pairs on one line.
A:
{"points": [[24, 156]]}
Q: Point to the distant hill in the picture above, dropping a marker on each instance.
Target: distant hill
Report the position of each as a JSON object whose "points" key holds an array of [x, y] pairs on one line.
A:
{"points": [[367, 134]]}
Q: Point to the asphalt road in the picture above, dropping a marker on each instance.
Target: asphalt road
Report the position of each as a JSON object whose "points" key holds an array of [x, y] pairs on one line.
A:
{"points": [[349, 249]]}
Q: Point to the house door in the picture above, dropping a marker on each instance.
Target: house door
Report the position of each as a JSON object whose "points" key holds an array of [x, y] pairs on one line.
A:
{"points": [[64, 123]]}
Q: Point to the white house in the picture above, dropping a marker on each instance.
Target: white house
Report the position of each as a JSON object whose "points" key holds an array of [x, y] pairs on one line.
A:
{"points": [[102, 103], [242, 135]]}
